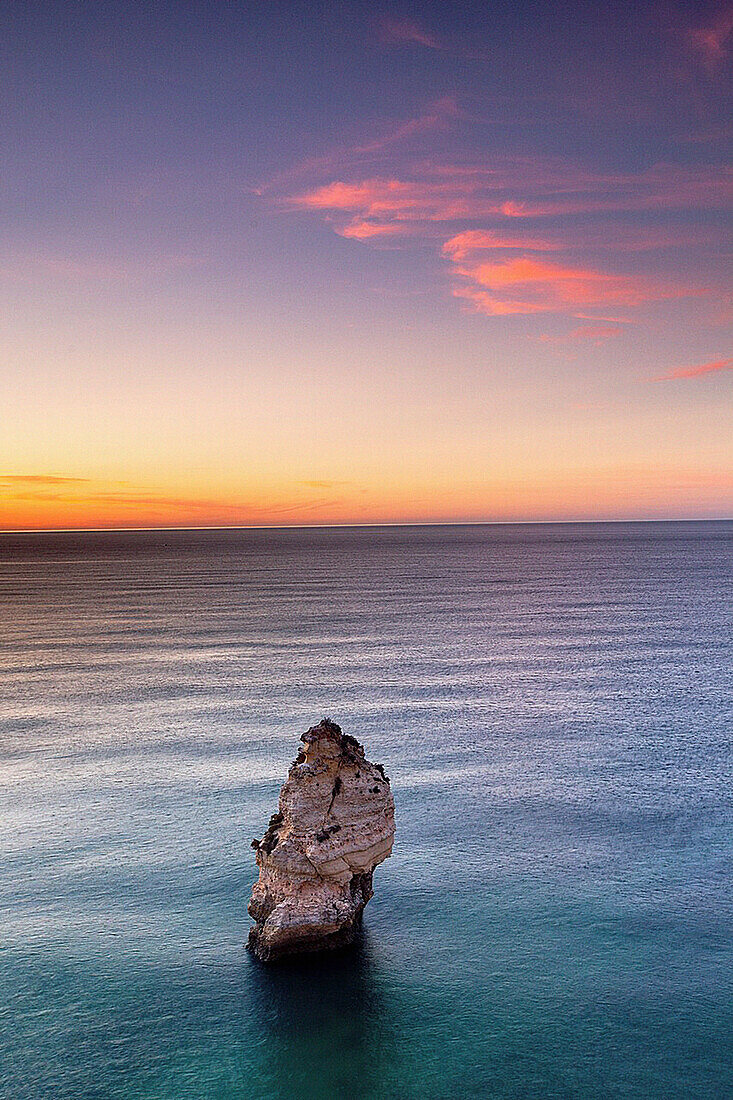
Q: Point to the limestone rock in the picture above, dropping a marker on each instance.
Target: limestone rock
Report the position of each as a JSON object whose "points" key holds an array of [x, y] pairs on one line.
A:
{"points": [[334, 824]]}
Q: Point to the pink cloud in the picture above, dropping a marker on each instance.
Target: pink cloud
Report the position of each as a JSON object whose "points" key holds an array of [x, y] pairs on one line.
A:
{"points": [[595, 318], [399, 199], [365, 231], [378, 208], [663, 187], [397, 32], [711, 40], [476, 212], [405, 32], [595, 334], [370, 197], [707, 135], [529, 285], [696, 372], [599, 236], [437, 115], [481, 301], [543, 189], [458, 248]]}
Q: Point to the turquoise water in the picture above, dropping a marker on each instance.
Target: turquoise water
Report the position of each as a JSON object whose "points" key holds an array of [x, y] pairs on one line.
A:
{"points": [[553, 705]]}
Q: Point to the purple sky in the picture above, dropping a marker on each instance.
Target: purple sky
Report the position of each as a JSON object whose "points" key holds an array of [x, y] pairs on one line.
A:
{"points": [[278, 262]]}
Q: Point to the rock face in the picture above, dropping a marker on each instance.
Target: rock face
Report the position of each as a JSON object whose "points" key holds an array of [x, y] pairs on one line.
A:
{"points": [[334, 824]]}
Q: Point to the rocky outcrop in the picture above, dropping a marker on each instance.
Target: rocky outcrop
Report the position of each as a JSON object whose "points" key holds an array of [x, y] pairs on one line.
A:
{"points": [[335, 823]]}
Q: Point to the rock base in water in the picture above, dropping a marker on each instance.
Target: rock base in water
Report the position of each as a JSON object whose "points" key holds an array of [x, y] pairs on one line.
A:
{"points": [[334, 824]]}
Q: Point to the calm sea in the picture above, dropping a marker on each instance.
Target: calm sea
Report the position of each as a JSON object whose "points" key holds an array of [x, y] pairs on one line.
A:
{"points": [[553, 705]]}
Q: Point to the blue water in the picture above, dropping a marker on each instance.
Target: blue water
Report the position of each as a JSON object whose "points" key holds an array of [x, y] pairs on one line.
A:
{"points": [[553, 705]]}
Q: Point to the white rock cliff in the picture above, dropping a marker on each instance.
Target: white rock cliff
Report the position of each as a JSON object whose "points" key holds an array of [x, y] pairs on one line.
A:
{"points": [[334, 824]]}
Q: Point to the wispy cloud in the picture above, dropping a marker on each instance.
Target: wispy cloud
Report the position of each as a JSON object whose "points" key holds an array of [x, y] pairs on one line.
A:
{"points": [[481, 216], [697, 371], [461, 246], [398, 32], [85, 499], [711, 41], [498, 284], [512, 188], [395, 31], [594, 334], [529, 285], [368, 231], [41, 479], [324, 484], [436, 116]]}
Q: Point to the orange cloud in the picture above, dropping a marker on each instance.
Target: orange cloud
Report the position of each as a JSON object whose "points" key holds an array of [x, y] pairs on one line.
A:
{"points": [[40, 501], [324, 484], [41, 479], [696, 372]]}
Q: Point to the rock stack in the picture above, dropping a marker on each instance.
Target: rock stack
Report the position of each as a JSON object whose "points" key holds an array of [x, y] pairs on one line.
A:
{"points": [[334, 824]]}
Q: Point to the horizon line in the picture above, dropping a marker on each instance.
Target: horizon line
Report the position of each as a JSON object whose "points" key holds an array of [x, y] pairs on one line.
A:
{"points": [[340, 526]]}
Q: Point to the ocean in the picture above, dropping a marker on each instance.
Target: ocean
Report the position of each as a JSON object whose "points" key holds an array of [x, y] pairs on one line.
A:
{"points": [[553, 705]]}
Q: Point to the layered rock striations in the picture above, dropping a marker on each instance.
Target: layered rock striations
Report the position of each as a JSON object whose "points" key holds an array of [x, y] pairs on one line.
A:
{"points": [[335, 823]]}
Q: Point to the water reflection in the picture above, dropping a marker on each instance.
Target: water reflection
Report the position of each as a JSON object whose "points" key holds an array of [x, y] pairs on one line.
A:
{"points": [[322, 1026]]}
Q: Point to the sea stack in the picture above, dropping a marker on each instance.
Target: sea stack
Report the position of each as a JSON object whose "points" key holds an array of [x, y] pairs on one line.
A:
{"points": [[335, 823]]}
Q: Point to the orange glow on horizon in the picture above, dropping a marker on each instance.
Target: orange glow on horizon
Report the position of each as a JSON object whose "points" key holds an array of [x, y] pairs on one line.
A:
{"points": [[463, 299], [54, 503]]}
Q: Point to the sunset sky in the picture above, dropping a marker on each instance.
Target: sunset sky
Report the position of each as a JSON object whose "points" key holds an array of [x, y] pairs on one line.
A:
{"points": [[283, 263]]}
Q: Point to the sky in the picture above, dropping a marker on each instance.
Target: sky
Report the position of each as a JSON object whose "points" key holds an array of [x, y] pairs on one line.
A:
{"points": [[308, 263]]}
